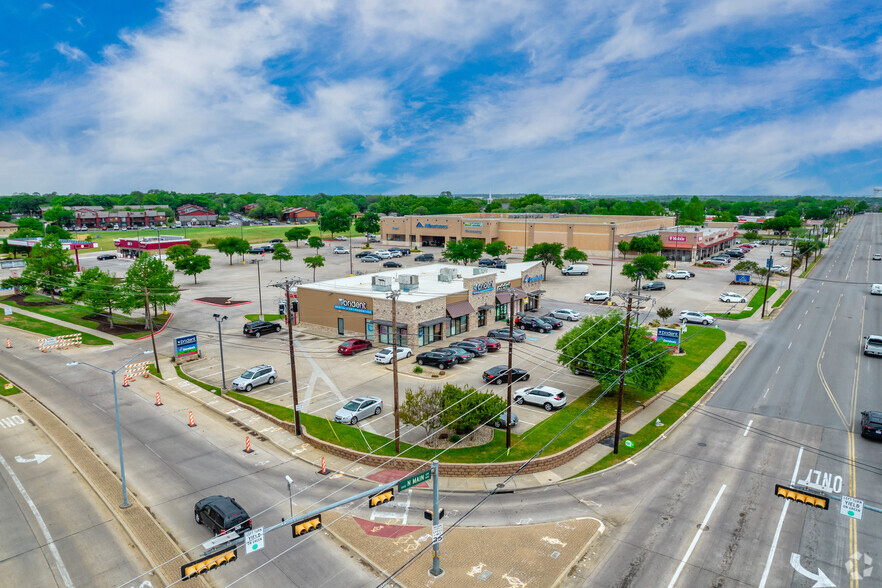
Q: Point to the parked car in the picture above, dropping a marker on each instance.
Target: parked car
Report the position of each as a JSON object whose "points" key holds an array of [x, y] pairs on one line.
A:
{"points": [[353, 346], [732, 297], [268, 248], [566, 314], [373, 239], [460, 354], [477, 348], [424, 257], [736, 253], [499, 421], [358, 409], [554, 322], [502, 335], [779, 269], [222, 514], [259, 374], [258, 328], [256, 251], [500, 264], [370, 259], [787, 252], [391, 263], [382, 254], [876, 289], [693, 316], [385, 355], [394, 253], [274, 241], [718, 260], [340, 238], [491, 343], [534, 324], [486, 262], [597, 296], [499, 375], [362, 254], [653, 286], [575, 270], [871, 424], [678, 275], [436, 358], [404, 251], [547, 397], [104, 256], [873, 345], [340, 249]]}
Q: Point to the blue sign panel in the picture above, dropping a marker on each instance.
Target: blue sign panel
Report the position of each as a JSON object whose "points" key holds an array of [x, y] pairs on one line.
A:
{"points": [[742, 278], [668, 336], [186, 346]]}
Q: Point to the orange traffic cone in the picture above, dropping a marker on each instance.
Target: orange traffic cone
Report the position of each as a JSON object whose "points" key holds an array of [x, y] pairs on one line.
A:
{"points": [[248, 445], [8, 343], [158, 399], [192, 422]]}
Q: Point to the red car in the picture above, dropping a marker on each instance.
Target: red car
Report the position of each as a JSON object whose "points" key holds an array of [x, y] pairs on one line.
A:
{"points": [[491, 343], [353, 346]]}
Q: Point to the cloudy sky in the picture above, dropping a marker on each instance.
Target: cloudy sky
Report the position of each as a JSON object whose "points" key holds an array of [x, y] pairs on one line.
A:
{"points": [[397, 96]]}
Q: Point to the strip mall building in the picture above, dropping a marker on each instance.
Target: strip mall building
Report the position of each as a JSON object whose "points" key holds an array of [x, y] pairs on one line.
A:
{"points": [[435, 302]]}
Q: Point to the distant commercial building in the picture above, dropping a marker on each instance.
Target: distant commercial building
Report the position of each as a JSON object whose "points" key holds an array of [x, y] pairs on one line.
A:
{"points": [[250, 207], [299, 214], [691, 243], [7, 228], [95, 217], [137, 246], [192, 214]]}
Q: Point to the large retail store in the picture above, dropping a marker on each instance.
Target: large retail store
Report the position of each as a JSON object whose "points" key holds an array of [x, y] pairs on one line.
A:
{"points": [[436, 302]]}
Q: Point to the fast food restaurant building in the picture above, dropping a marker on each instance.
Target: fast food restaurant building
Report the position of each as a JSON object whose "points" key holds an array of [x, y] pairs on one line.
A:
{"points": [[435, 302]]}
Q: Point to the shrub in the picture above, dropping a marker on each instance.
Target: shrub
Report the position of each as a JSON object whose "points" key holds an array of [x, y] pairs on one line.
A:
{"points": [[455, 438], [417, 369], [664, 313]]}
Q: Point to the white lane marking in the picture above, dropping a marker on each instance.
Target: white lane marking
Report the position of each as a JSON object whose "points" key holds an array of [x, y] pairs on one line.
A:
{"points": [[789, 344], [778, 370], [56, 379], [768, 567], [49, 541], [696, 538], [766, 392], [153, 452], [99, 408], [747, 429], [799, 327]]}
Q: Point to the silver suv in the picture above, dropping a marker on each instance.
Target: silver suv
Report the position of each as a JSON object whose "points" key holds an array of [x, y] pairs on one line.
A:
{"points": [[260, 374]]}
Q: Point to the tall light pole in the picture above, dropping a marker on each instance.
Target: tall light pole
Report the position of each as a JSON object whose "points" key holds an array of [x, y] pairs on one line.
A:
{"points": [[220, 337], [259, 294], [122, 465], [612, 253], [393, 295]]}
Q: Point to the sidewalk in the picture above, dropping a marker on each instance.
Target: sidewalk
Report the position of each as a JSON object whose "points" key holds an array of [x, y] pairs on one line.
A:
{"points": [[65, 324]]}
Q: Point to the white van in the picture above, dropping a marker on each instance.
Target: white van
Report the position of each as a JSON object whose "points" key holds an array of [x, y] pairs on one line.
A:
{"points": [[575, 270]]}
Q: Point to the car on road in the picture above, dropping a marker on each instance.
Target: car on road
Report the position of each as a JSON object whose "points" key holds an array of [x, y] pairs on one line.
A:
{"points": [[534, 324], [547, 397], [566, 314], [779, 269], [258, 328], [876, 289], [502, 335], [678, 275], [370, 259], [499, 421], [268, 248], [424, 257], [499, 375], [340, 249], [259, 374], [877, 256], [597, 296], [460, 354], [385, 355], [391, 263], [732, 297], [871, 424], [873, 345], [353, 346], [106, 256], [437, 359], [693, 316], [491, 343], [476, 348], [358, 409], [654, 286], [554, 322], [222, 514]]}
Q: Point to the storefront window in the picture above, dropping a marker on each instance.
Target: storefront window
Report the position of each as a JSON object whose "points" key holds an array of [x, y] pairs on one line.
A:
{"points": [[482, 318], [457, 326], [501, 311], [386, 335]]}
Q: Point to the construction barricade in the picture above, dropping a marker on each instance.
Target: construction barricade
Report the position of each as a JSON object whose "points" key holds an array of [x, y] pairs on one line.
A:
{"points": [[60, 342]]}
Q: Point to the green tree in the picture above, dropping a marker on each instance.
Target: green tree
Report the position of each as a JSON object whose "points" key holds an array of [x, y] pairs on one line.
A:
{"points": [[496, 248], [149, 274], [176, 252], [664, 312], [465, 409], [465, 251], [297, 234], [232, 245], [315, 242], [369, 223], [31, 224], [647, 266], [49, 268], [99, 290], [624, 247], [596, 344], [573, 255], [421, 408], [192, 265], [546, 254], [748, 267], [195, 245], [282, 253], [58, 215], [648, 244], [56, 232], [335, 221], [313, 262]]}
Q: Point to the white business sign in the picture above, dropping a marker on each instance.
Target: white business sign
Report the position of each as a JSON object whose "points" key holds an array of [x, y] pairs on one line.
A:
{"points": [[254, 540], [851, 507]]}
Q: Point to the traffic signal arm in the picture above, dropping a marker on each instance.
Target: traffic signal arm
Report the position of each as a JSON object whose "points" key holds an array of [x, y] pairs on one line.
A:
{"points": [[817, 500], [207, 563], [307, 525]]}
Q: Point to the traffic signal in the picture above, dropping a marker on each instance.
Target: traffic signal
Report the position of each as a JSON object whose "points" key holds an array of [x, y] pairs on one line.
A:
{"points": [[817, 500], [429, 512], [209, 562], [381, 497], [307, 525]]}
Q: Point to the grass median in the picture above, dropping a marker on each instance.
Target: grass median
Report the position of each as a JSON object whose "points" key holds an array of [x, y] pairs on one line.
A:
{"points": [[75, 315], [27, 323], [782, 298], [7, 388]]}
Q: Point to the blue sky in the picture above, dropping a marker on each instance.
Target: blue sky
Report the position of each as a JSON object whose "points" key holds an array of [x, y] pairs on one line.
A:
{"points": [[393, 96]]}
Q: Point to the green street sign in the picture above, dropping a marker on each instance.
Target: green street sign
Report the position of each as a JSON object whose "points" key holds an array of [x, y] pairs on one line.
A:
{"points": [[414, 480]]}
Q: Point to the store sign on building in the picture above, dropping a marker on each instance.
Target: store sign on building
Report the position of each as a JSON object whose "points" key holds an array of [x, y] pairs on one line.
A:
{"points": [[353, 306], [503, 286], [677, 238], [472, 224], [420, 225], [483, 287], [531, 279]]}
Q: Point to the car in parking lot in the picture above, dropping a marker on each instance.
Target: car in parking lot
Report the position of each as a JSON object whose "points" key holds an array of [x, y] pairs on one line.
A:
{"points": [[460, 354], [106, 256], [358, 409], [499, 421], [385, 355], [502, 335], [437, 359], [566, 314], [654, 286], [258, 328], [736, 253], [222, 515], [693, 316], [486, 262], [353, 346], [779, 269], [678, 275], [424, 257], [597, 296], [340, 249], [499, 375], [534, 324], [259, 374], [394, 253], [256, 251], [787, 252], [268, 248], [391, 263], [876, 289], [491, 343], [404, 251], [732, 297], [370, 259], [476, 348], [554, 322], [340, 238], [547, 397], [871, 424], [361, 254], [717, 261], [274, 241], [877, 256], [873, 345], [382, 254]]}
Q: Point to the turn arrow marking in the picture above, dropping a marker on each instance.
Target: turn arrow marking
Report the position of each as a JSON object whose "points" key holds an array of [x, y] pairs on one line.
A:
{"points": [[38, 457], [821, 579]]}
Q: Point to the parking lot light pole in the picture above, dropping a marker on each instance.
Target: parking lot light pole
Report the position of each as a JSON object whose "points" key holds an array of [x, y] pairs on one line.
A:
{"points": [[259, 294], [122, 465], [393, 295], [220, 337], [511, 301], [612, 253]]}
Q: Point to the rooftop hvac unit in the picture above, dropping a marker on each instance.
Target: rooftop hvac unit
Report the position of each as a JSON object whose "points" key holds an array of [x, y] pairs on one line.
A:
{"points": [[381, 283], [445, 277], [408, 279], [451, 271], [477, 271]]}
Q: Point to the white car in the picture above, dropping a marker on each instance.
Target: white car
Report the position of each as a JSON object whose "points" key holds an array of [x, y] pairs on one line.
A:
{"points": [[545, 396], [566, 314], [876, 289], [395, 253], [358, 408], [779, 269], [677, 275], [340, 250], [597, 296], [382, 254], [877, 256], [693, 316], [732, 297], [787, 252], [341, 238], [385, 355]]}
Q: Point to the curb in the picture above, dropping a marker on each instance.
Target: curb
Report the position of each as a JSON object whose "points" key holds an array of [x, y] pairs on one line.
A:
{"points": [[164, 325]]}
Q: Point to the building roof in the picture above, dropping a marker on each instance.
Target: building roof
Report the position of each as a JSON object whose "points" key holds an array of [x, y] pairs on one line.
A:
{"points": [[8, 225]]}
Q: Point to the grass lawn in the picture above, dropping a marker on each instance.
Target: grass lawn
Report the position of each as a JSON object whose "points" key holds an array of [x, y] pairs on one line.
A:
{"points": [[74, 313], [33, 325], [781, 298], [810, 266], [7, 389], [266, 316], [754, 303], [650, 432], [697, 346]]}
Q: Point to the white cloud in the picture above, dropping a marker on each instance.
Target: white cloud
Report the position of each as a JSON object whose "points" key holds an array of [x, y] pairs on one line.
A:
{"points": [[70, 52]]}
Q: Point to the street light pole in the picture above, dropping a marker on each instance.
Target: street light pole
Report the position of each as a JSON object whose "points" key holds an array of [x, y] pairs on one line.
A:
{"points": [[612, 253], [511, 301], [290, 496], [220, 337], [393, 295], [259, 294], [122, 465]]}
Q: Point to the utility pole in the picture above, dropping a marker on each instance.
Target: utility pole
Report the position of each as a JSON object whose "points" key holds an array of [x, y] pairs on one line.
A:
{"points": [[624, 365], [393, 295], [612, 253], [511, 301], [220, 338], [150, 326], [768, 275], [287, 284], [259, 294]]}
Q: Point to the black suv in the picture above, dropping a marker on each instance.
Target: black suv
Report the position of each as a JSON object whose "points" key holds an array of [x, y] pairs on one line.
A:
{"points": [[555, 323], [461, 355], [871, 424], [535, 324], [222, 514], [476, 348], [440, 359], [499, 375], [258, 328], [424, 257]]}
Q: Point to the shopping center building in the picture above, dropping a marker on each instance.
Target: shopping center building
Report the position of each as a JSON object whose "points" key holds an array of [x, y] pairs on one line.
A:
{"points": [[435, 302]]}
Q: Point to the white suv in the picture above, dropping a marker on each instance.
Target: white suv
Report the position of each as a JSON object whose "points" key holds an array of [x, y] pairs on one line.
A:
{"points": [[545, 396], [261, 374], [677, 275], [693, 316], [597, 296]]}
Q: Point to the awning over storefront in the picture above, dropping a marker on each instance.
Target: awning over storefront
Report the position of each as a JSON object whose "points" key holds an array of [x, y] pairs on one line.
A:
{"points": [[519, 293], [502, 297], [536, 292], [434, 322], [461, 308], [389, 324], [485, 307]]}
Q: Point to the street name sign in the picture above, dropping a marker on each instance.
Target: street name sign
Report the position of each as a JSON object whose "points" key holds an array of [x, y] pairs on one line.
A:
{"points": [[414, 480]]}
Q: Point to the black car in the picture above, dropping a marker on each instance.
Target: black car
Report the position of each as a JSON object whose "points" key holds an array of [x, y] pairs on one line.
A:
{"points": [[256, 251], [268, 248], [534, 324], [258, 328], [424, 257], [871, 424], [476, 348], [737, 253], [555, 323], [500, 264], [222, 514], [361, 254], [435, 358], [499, 375], [653, 286], [106, 256], [461, 355], [274, 241], [391, 263], [502, 335], [487, 262]]}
